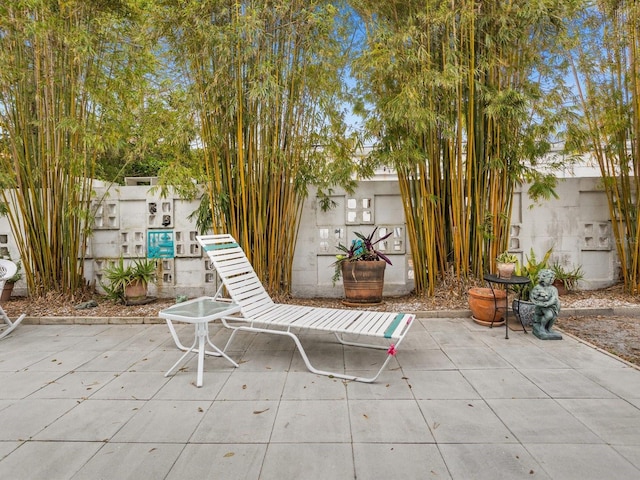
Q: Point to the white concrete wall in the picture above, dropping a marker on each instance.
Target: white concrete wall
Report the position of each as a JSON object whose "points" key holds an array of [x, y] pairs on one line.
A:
{"points": [[132, 221]]}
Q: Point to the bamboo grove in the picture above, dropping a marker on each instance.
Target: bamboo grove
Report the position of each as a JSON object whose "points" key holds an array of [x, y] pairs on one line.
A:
{"points": [[460, 110], [65, 70], [462, 97], [266, 77], [607, 75]]}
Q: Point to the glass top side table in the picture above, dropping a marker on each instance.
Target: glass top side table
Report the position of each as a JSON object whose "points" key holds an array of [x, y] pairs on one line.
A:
{"points": [[200, 312], [509, 283]]}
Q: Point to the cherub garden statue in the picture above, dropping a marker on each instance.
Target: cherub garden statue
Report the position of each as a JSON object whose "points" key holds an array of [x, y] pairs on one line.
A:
{"points": [[547, 306]]}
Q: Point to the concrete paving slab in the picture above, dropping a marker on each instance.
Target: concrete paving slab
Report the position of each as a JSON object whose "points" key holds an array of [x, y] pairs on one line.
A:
{"points": [[366, 359], [112, 361], [419, 340], [566, 383], [310, 461], [576, 356], [392, 384], [10, 362], [130, 461], [6, 403], [541, 420], [132, 385], [474, 357], [464, 421], [78, 385], [614, 420], [158, 360], [219, 461], [440, 384], [91, 421], [388, 421], [265, 360], [182, 386], [21, 384], [55, 460], [253, 386], [492, 461], [428, 359], [630, 452], [26, 418], [467, 405], [322, 355], [399, 460], [302, 386], [527, 356], [312, 421], [63, 361], [582, 462], [623, 382], [7, 447], [237, 421], [502, 383], [172, 420], [464, 338]]}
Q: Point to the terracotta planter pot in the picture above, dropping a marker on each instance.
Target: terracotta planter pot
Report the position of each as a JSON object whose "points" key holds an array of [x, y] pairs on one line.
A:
{"points": [[363, 281], [483, 304], [135, 291], [559, 284], [505, 270]]}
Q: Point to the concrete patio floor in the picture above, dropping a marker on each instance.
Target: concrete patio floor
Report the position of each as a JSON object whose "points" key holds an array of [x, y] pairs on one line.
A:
{"points": [[458, 402]]}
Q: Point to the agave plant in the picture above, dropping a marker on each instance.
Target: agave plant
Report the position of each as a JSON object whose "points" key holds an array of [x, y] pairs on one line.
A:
{"points": [[121, 276]]}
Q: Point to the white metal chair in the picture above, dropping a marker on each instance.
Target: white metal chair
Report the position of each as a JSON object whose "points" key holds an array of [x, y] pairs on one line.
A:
{"points": [[7, 270], [258, 312]]}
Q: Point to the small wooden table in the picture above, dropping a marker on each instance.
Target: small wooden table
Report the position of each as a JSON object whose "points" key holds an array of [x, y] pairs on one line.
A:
{"points": [[509, 283], [200, 312]]}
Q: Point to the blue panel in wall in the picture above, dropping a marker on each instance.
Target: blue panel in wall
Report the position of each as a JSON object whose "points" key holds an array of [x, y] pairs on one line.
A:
{"points": [[160, 244]]}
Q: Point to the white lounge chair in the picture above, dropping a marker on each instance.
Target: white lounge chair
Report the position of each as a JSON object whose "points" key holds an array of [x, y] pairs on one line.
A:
{"points": [[259, 313], [7, 270]]}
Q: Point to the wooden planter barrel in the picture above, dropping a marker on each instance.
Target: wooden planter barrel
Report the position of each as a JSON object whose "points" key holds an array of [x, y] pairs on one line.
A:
{"points": [[6, 291], [363, 281]]}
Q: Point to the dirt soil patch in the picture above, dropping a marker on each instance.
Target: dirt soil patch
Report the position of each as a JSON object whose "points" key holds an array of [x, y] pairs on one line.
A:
{"points": [[618, 334]]}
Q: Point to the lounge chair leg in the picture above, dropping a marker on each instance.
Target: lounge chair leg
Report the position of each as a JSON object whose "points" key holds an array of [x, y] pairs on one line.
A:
{"points": [[11, 326], [304, 356], [356, 344]]}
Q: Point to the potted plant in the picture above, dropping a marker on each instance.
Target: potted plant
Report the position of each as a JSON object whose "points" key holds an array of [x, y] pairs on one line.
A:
{"points": [[566, 280], [361, 267], [128, 283], [506, 264], [10, 282], [487, 305], [522, 306]]}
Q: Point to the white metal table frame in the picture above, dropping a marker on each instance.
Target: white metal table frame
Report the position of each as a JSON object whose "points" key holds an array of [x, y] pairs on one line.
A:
{"points": [[199, 311]]}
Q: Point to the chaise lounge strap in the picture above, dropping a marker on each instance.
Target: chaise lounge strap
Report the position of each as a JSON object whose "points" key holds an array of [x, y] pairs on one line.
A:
{"points": [[388, 333]]}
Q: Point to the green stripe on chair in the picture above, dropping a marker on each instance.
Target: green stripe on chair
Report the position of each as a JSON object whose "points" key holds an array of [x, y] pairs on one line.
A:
{"points": [[220, 246], [390, 329]]}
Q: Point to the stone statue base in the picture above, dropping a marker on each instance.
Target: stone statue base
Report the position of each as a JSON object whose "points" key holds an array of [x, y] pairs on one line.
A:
{"points": [[544, 332]]}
